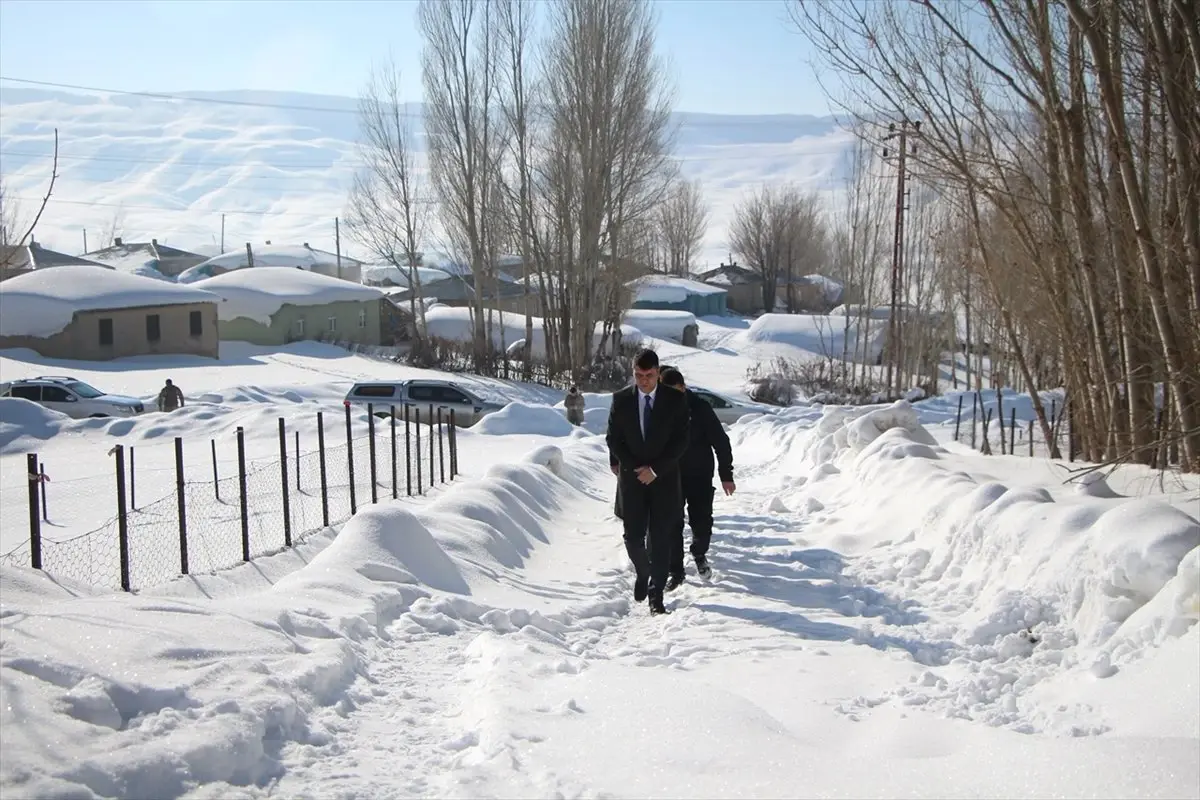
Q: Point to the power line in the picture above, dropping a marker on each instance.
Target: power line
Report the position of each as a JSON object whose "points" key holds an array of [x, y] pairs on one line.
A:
{"points": [[128, 207], [172, 162]]}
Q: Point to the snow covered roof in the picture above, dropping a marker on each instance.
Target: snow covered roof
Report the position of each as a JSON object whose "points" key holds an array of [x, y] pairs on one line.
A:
{"points": [[378, 273], [258, 294], [304, 256], [667, 289], [43, 302]]}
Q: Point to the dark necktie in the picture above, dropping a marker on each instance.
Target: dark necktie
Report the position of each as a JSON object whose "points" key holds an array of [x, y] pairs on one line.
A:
{"points": [[646, 420]]}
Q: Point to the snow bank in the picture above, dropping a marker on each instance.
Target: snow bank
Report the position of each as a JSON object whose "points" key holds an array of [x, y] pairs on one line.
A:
{"points": [[155, 696], [21, 420], [1087, 567], [258, 295], [666, 289], [826, 336], [662, 324], [43, 302], [524, 418], [454, 324]]}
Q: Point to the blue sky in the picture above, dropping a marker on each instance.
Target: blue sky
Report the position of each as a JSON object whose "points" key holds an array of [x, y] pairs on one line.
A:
{"points": [[727, 56]]}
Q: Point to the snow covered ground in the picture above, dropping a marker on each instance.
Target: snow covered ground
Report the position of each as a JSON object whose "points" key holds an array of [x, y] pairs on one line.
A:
{"points": [[891, 615]]}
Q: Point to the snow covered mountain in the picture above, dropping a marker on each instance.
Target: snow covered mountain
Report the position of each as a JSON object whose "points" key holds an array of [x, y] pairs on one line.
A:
{"points": [[272, 166]]}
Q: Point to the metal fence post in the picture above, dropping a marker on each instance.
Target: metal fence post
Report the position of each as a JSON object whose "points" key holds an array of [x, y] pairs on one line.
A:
{"points": [[216, 478], [1031, 438], [297, 461], [43, 480], [417, 425], [371, 452], [958, 418], [395, 491], [283, 480], [321, 462], [180, 495], [350, 462], [241, 451], [431, 445], [132, 482], [1000, 418], [407, 453], [1012, 431], [122, 518], [974, 417], [441, 450], [35, 521], [454, 446]]}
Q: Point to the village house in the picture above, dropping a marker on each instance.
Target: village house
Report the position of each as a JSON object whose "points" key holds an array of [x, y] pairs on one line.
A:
{"points": [[18, 260], [137, 256], [744, 287], [278, 306], [95, 313], [668, 293], [305, 257]]}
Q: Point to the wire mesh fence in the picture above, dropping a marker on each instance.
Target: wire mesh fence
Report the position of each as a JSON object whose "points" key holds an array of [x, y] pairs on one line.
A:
{"points": [[217, 519]]}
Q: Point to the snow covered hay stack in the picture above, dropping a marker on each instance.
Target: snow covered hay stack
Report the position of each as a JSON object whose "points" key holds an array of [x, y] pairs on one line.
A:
{"points": [[279, 305], [94, 313]]}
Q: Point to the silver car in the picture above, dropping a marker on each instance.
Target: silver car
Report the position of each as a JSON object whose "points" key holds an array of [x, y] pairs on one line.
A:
{"points": [[421, 394], [72, 397], [728, 410]]}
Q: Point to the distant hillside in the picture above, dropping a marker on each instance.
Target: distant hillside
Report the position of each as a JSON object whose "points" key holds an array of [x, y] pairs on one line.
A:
{"points": [[279, 165]]}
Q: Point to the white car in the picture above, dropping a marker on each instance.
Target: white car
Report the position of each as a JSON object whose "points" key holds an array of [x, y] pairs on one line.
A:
{"points": [[72, 397], [728, 410]]}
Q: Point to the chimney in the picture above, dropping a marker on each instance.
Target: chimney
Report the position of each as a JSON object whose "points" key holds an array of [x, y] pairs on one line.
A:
{"points": [[154, 242], [306, 246], [117, 241]]}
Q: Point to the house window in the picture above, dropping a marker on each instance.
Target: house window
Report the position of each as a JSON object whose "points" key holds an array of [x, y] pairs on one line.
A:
{"points": [[300, 327], [362, 318], [153, 330], [106, 332], [195, 324], [332, 328]]}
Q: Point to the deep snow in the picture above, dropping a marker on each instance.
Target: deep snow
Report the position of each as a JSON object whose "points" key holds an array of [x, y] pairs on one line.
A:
{"points": [[892, 614]]}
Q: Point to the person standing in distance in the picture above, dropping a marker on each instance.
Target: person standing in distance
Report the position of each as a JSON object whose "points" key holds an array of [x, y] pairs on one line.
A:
{"points": [[648, 435], [707, 434]]}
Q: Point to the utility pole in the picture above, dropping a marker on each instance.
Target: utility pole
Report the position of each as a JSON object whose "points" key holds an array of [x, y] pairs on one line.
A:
{"points": [[894, 366], [222, 233], [85, 240], [337, 239]]}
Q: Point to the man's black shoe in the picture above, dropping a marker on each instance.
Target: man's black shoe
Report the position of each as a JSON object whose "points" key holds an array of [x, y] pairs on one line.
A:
{"points": [[702, 566], [656, 605], [640, 588], [674, 581]]}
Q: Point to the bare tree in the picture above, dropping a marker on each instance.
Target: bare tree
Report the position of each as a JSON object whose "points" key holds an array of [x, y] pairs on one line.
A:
{"points": [[775, 230], [389, 200], [606, 154], [459, 71], [682, 220], [115, 228], [10, 216]]}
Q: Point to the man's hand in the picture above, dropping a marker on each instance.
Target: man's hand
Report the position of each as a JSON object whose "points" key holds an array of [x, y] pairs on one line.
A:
{"points": [[645, 475], [616, 468], [729, 487]]}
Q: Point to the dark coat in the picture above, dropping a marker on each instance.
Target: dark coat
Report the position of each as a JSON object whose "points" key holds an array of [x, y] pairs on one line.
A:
{"points": [[706, 434], [667, 444]]}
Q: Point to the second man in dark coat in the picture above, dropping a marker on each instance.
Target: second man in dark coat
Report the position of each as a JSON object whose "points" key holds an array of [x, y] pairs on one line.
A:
{"points": [[706, 435]]}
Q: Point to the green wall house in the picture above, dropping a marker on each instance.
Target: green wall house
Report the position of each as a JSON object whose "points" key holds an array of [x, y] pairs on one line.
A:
{"points": [[278, 305], [668, 293]]}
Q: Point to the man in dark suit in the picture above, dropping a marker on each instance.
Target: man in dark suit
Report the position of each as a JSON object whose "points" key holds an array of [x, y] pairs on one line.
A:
{"points": [[707, 436], [647, 435]]}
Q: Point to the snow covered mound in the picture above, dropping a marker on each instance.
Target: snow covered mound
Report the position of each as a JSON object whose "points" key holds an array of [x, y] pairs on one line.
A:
{"points": [[1069, 568], [524, 418], [258, 294], [454, 324], [23, 419], [43, 302], [827, 336], [662, 324], [208, 685]]}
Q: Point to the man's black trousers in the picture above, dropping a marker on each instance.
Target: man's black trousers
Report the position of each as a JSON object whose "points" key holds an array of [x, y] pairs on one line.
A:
{"points": [[698, 494], [651, 518]]}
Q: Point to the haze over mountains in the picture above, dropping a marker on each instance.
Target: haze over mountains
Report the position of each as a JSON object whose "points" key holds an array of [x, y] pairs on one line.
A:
{"points": [[279, 165]]}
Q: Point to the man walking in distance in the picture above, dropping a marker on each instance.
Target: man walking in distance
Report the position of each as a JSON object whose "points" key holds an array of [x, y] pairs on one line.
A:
{"points": [[648, 434], [696, 473]]}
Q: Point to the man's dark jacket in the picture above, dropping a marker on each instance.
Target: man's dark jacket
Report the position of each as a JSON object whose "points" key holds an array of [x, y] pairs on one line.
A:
{"points": [[668, 443], [705, 434]]}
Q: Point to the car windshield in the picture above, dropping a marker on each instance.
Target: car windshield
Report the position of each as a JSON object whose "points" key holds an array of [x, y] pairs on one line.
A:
{"points": [[84, 391]]}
